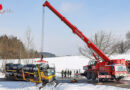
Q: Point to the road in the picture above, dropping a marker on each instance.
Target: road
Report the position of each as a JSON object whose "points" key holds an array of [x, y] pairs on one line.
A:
{"points": [[121, 83]]}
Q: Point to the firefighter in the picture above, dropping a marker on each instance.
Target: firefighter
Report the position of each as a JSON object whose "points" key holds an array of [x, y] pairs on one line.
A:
{"points": [[62, 73], [65, 72], [77, 72], [70, 73]]}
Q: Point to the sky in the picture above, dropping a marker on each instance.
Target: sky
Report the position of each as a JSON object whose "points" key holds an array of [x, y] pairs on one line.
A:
{"points": [[90, 16]]}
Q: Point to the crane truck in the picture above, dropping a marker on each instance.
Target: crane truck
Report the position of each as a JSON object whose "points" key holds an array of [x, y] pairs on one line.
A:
{"points": [[107, 69]]}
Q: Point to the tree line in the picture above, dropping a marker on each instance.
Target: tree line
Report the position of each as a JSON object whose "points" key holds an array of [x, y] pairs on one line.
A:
{"points": [[13, 48]]}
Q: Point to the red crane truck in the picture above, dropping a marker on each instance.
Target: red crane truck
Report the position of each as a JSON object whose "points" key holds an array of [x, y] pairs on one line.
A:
{"points": [[102, 70]]}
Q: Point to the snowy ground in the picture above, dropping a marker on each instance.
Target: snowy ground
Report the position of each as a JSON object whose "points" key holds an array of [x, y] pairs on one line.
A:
{"points": [[18, 85], [85, 86], [61, 63]]}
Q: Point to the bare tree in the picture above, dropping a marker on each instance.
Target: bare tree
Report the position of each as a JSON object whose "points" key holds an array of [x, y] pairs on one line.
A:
{"points": [[28, 42], [104, 41], [128, 35], [128, 39], [28, 39], [122, 47]]}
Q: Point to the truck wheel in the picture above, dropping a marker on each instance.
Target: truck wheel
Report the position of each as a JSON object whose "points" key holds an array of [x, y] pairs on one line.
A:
{"points": [[89, 75], [93, 76], [100, 79], [54, 78], [118, 79]]}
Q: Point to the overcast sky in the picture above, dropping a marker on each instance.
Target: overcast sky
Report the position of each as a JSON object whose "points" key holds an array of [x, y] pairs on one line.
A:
{"points": [[90, 16]]}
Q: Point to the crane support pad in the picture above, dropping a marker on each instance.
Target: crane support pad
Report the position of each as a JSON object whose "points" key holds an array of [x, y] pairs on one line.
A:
{"points": [[104, 76]]}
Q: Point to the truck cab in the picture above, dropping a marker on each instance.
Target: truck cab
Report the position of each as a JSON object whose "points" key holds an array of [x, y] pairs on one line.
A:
{"points": [[119, 71]]}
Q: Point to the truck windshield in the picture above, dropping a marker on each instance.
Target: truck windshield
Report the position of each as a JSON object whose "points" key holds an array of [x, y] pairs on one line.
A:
{"points": [[49, 72], [120, 68]]}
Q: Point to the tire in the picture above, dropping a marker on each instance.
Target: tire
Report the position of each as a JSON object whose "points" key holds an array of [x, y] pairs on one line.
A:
{"points": [[100, 79], [54, 78], [93, 76], [118, 79], [44, 82], [84, 74], [89, 75]]}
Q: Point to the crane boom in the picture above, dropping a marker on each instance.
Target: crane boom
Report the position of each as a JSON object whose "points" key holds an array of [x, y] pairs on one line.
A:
{"points": [[78, 32]]}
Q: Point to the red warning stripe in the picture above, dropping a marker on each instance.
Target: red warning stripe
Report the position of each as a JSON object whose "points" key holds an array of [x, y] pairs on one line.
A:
{"points": [[104, 76]]}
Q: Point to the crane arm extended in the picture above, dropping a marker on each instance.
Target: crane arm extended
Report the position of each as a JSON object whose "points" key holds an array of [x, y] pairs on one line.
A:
{"points": [[78, 33]]}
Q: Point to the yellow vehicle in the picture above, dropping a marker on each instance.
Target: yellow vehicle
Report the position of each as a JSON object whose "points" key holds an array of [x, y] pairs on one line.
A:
{"points": [[39, 73], [44, 75]]}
